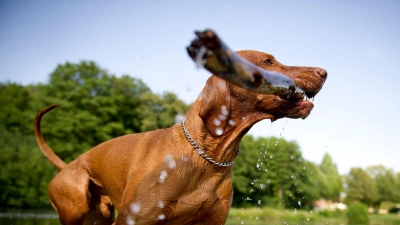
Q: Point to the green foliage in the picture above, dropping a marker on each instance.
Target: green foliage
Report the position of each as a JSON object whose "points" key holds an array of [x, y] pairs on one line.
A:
{"points": [[332, 214], [14, 114], [272, 172], [357, 214], [385, 182], [361, 187], [333, 181], [94, 106], [24, 176]]}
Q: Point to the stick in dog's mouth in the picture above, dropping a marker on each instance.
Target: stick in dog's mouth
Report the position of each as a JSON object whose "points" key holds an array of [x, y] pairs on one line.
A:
{"points": [[208, 51]]}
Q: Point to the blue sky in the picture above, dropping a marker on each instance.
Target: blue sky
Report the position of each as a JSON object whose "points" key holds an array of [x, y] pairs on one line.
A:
{"points": [[356, 115]]}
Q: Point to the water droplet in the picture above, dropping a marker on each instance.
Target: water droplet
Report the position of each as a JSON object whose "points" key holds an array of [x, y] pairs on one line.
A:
{"points": [[276, 143], [185, 158], [270, 156], [130, 221], [308, 219], [163, 176], [299, 203], [257, 218], [219, 131], [259, 202], [134, 207], [248, 199], [160, 204], [221, 85], [221, 117], [217, 122], [170, 161], [262, 186], [242, 222], [168, 157], [231, 122], [179, 118], [199, 57], [171, 164], [161, 217], [224, 111], [258, 165], [243, 118]]}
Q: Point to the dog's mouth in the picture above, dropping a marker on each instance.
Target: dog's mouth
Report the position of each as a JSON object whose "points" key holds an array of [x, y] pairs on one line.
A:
{"points": [[297, 105]]}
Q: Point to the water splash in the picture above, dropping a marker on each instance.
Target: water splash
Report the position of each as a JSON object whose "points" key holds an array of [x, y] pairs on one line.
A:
{"points": [[161, 217], [219, 131], [169, 160], [69, 96], [163, 176], [200, 62], [134, 207], [130, 220]]}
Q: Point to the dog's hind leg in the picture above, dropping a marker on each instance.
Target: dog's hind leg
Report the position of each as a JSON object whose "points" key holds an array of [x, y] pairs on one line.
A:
{"points": [[70, 196]]}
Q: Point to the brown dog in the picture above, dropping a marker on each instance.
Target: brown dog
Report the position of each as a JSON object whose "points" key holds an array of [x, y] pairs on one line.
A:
{"points": [[178, 175]]}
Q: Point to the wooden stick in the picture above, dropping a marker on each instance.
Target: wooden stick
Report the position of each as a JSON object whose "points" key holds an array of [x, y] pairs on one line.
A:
{"points": [[208, 51]]}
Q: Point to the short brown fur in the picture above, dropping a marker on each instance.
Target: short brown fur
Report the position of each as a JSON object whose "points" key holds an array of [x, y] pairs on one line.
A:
{"points": [[124, 172]]}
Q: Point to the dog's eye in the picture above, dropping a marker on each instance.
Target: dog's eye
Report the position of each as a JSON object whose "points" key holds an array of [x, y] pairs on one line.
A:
{"points": [[268, 62]]}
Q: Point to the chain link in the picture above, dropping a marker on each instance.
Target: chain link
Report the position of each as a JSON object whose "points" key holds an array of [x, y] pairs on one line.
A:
{"points": [[201, 152]]}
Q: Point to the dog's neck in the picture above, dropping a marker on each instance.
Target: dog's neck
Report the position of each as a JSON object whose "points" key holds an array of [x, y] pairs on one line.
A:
{"points": [[225, 147]]}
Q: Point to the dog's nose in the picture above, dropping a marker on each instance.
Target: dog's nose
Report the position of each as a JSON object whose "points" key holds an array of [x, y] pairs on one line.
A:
{"points": [[322, 73]]}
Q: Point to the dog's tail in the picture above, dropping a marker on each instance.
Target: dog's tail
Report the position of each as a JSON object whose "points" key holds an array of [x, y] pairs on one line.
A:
{"points": [[46, 150]]}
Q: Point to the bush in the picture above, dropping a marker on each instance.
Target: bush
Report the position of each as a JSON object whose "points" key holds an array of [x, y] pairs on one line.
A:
{"points": [[394, 210], [357, 214], [332, 214]]}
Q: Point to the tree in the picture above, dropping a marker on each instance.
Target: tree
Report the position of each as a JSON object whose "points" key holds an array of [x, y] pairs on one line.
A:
{"points": [[245, 173], [397, 185], [357, 214], [315, 181], [333, 186], [385, 182], [361, 187], [14, 101], [271, 171], [24, 177], [95, 106]]}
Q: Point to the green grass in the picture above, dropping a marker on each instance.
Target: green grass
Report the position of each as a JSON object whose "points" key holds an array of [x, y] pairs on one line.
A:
{"points": [[264, 216]]}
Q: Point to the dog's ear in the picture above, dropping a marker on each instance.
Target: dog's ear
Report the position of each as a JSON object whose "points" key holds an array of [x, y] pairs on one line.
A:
{"points": [[215, 106]]}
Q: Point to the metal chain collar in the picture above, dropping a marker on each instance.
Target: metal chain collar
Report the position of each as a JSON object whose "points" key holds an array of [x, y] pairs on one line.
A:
{"points": [[201, 152]]}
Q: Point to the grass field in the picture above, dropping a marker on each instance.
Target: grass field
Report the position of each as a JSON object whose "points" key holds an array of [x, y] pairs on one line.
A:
{"points": [[264, 216]]}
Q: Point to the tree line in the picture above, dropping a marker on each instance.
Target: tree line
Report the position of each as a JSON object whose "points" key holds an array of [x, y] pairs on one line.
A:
{"points": [[96, 106]]}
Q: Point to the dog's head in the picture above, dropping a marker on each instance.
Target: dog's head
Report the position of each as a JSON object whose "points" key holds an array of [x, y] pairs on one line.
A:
{"points": [[309, 79], [228, 103]]}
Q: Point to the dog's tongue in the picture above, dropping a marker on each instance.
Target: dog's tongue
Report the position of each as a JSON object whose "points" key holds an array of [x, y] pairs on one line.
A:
{"points": [[208, 51]]}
